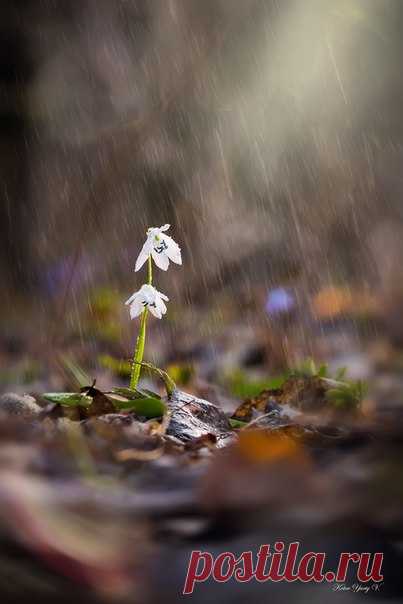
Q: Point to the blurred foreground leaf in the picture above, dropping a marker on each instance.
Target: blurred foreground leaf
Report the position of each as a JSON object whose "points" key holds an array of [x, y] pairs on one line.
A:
{"points": [[259, 446]]}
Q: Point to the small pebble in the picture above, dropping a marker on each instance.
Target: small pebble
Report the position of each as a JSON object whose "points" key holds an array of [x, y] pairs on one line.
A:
{"points": [[19, 404]]}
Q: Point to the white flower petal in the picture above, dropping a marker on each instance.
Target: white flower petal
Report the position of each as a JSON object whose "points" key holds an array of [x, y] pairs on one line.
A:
{"points": [[161, 260], [165, 227], [136, 308], [155, 311], [173, 250], [143, 256], [161, 306], [147, 293], [163, 296], [148, 297], [132, 297]]}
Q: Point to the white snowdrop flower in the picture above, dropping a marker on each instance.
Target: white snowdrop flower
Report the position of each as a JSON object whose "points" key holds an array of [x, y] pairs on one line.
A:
{"points": [[161, 247], [147, 297]]}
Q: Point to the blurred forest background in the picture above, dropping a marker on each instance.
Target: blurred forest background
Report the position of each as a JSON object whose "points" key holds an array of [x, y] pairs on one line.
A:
{"points": [[268, 133]]}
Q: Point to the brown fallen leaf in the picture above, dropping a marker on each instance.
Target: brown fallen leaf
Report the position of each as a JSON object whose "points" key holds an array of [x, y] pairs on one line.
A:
{"points": [[303, 393], [260, 403], [207, 440]]}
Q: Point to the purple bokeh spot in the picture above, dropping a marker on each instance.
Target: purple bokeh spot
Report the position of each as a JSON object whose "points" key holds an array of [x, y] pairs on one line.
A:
{"points": [[279, 300]]}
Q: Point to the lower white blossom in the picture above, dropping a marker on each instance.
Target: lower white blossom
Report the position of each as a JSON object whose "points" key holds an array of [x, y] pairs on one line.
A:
{"points": [[147, 297], [161, 247]]}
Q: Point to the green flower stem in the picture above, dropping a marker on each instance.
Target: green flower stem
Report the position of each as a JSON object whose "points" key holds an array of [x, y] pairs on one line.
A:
{"points": [[141, 338]]}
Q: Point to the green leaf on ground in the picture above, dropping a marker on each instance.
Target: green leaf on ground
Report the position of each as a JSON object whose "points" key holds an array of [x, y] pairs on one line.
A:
{"points": [[70, 399], [149, 407], [237, 423]]}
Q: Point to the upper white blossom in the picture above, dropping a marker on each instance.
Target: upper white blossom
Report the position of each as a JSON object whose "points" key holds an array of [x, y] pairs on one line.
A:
{"points": [[161, 247], [147, 297]]}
